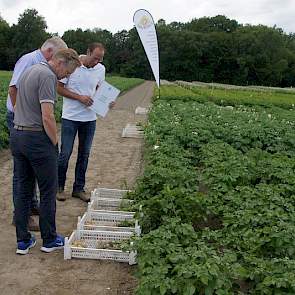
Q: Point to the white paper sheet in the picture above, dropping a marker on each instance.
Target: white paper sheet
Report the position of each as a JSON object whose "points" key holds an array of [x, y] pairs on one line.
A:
{"points": [[104, 95]]}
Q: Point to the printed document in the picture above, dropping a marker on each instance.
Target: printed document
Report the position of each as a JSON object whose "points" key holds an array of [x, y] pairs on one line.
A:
{"points": [[104, 95]]}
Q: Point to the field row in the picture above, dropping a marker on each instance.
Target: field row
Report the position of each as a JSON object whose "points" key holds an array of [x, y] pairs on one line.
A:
{"points": [[234, 97]]}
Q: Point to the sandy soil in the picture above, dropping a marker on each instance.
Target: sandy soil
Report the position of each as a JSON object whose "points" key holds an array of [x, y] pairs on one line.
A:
{"points": [[115, 162]]}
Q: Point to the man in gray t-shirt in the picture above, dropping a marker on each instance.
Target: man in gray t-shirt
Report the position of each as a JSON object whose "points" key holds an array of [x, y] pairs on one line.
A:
{"points": [[34, 148], [38, 85], [45, 53]]}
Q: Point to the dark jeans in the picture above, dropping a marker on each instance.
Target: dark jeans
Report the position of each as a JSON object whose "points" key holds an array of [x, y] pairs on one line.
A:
{"points": [[34, 201], [85, 132], [34, 156]]}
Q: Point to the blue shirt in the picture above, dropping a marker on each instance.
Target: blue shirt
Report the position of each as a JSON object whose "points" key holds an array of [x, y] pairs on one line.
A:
{"points": [[25, 62]]}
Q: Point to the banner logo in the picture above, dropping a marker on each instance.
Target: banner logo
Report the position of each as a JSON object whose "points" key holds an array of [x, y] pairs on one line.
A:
{"points": [[144, 22]]}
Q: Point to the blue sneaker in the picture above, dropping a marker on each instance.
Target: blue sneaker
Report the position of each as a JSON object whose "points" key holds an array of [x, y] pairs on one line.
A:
{"points": [[23, 247], [58, 243]]}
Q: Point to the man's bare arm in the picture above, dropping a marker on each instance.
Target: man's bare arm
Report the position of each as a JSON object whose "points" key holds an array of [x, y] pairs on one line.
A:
{"points": [[85, 99], [48, 119], [12, 91]]}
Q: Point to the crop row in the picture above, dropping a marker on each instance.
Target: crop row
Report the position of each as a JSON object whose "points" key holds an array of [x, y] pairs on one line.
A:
{"points": [[218, 198]]}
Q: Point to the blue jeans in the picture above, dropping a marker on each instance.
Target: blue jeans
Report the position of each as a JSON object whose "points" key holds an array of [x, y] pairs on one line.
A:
{"points": [[34, 156], [34, 201], [69, 131]]}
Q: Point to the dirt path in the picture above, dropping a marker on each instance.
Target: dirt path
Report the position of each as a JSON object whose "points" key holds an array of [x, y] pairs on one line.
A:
{"points": [[114, 162]]}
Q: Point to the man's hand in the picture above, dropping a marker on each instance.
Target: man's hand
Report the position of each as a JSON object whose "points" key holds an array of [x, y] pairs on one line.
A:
{"points": [[85, 99], [112, 104], [63, 91], [49, 123]]}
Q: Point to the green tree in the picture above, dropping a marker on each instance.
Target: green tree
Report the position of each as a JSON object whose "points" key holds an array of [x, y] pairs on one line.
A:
{"points": [[5, 37], [207, 49], [28, 34], [79, 39], [218, 23]]}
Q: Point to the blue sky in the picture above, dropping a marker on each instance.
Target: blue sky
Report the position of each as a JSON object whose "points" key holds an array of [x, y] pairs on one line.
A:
{"points": [[115, 15]]}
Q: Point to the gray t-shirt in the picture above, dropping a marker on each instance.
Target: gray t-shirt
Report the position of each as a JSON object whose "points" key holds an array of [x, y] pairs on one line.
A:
{"points": [[35, 86]]}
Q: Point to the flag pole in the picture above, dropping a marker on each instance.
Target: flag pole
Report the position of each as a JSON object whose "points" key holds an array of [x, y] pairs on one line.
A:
{"points": [[159, 91]]}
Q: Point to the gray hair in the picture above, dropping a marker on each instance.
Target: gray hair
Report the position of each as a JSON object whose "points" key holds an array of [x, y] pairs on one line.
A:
{"points": [[56, 43], [69, 56]]}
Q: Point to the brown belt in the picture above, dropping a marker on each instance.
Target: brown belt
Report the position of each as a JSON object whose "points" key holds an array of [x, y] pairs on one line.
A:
{"points": [[24, 128]]}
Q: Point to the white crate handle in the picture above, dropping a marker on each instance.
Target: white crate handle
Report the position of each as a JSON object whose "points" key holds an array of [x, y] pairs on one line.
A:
{"points": [[137, 228], [132, 256], [67, 249], [79, 226]]}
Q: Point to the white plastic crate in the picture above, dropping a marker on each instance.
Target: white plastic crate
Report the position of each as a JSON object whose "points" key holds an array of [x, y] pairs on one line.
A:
{"points": [[132, 131], [141, 111], [108, 193], [113, 216], [107, 203], [89, 250], [107, 221]]}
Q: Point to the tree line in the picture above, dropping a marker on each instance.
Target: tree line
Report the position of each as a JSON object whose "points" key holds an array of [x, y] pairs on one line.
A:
{"points": [[207, 49]]}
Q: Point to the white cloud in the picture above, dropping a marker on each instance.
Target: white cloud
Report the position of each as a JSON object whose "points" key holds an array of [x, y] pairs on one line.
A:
{"points": [[115, 15]]}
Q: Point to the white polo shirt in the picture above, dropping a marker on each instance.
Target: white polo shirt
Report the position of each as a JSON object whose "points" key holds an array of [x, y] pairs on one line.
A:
{"points": [[83, 82]]}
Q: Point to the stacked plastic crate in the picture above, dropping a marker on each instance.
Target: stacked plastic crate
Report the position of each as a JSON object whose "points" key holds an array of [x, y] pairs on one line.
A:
{"points": [[103, 228], [132, 131]]}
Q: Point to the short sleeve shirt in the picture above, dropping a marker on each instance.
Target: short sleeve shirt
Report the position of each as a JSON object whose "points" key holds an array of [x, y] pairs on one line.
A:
{"points": [[21, 65], [35, 86], [83, 81]]}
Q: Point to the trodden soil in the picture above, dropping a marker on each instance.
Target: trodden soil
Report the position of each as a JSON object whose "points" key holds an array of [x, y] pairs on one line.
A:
{"points": [[115, 162]]}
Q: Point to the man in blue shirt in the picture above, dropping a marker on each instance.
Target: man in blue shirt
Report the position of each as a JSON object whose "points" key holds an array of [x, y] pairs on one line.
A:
{"points": [[44, 54]]}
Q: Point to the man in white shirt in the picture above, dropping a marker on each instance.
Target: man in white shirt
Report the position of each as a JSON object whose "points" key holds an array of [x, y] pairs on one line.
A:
{"points": [[77, 118]]}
